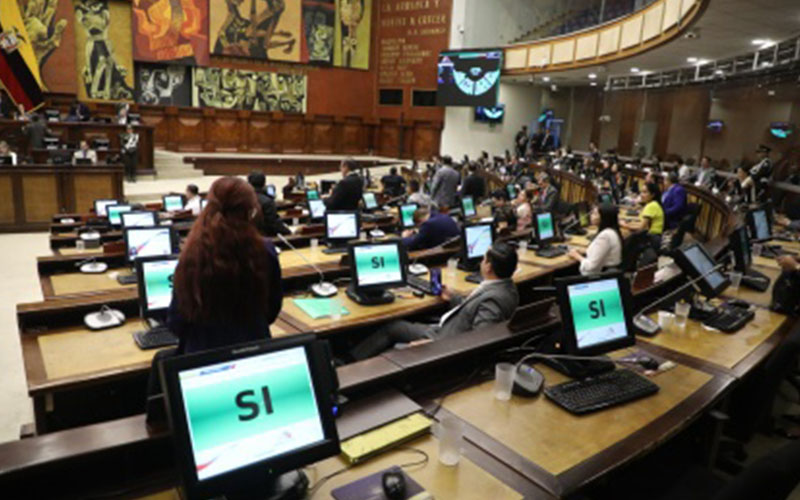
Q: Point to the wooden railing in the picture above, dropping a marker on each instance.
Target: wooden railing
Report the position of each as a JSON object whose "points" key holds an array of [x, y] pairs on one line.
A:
{"points": [[627, 36]]}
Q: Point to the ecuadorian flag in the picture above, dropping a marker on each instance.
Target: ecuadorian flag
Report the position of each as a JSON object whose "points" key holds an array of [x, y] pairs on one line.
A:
{"points": [[19, 69]]}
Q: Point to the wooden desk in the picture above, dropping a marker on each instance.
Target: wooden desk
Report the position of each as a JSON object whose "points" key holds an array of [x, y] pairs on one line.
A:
{"points": [[562, 452], [72, 283], [31, 194], [762, 299]]}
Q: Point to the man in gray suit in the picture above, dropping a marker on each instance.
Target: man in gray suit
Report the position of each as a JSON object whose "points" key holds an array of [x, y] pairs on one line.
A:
{"points": [[494, 301], [444, 186], [36, 131]]}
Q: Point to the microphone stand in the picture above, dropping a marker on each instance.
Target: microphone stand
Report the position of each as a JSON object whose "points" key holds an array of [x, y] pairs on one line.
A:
{"points": [[323, 288]]}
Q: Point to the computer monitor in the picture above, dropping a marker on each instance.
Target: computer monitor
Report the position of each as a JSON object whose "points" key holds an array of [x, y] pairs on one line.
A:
{"points": [[52, 115], [511, 189], [596, 314], [739, 242], [154, 276], [6, 160], [101, 143], [468, 206], [341, 227], [478, 238], [406, 213], [114, 211], [134, 118], [101, 205], [83, 161], [139, 218], [316, 209], [173, 202], [376, 267], [271, 190], [544, 228], [149, 242], [370, 203], [696, 262], [51, 142], [312, 194], [760, 225], [244, 414]]}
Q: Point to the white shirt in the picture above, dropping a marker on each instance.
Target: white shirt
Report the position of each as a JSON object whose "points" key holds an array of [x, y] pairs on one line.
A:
{"points": [[604, 251], [193, 205], [420, 198], [13, 156]]}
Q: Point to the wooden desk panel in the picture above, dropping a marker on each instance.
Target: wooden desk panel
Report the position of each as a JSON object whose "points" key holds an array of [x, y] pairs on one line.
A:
{"points": [[525, 425], [289, 258], [69, 283], [722, 349], [530, 257], [764, 262], [465, 481]]}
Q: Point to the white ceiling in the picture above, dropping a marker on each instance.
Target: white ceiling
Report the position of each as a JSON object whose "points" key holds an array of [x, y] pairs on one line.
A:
{"points": [[726, 29]]}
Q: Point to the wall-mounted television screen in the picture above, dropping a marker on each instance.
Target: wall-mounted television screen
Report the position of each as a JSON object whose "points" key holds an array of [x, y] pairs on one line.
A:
{"points": [[780, 130], [469, 78], [494, 114], [715, 126]]}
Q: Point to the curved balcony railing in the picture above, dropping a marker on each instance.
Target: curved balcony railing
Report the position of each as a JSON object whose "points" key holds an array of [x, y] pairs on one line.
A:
{"points": [[643, 30]]}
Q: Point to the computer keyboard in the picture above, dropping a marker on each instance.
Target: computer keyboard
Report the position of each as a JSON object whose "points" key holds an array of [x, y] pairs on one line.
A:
{"points": [[474, 278], [551, 252], [155, 337], [420, 284], [729, 319], [592, 394], [126, 279], [334, 250]]}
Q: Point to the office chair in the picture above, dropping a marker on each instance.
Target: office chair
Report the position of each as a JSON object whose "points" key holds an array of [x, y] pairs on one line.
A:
{"points": [[686, 225], [637, 251]]}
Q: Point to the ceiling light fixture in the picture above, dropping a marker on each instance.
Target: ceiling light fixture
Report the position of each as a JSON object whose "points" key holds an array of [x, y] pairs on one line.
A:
{"points": [[592, 76], [691, 60], [757, 41], [635, 70], [593, 84], [545, 78]]}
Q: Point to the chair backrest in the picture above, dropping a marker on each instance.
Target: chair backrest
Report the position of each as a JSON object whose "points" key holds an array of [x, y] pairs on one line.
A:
{"points": [[771, 477], [632, 248]]}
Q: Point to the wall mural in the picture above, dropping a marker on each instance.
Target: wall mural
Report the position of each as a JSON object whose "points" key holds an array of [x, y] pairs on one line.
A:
{"points": [[170, 31], [318, 31], [260, 29], [103, 49], [166, 85], [49, 24], [250, 90], [352, 38]]}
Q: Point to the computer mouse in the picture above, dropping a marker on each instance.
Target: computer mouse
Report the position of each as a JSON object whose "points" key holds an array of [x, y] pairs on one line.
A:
{"points": [[394, 485], [417, 269], [648, 363], [377, 233], [528, 381]]}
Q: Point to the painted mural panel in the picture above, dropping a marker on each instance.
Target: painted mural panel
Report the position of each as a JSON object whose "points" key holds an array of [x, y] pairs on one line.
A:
{"points": [[352, 37], [50, 24], [166, 85], [258, 29], [250, 90], [170, 31]]}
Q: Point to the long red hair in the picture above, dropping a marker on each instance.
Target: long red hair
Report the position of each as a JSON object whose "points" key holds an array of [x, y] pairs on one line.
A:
{"points": [[223, 274]]}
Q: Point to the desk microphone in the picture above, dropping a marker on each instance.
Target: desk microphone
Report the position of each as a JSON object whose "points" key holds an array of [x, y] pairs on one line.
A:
{"points": [[419, 269], [91, 266], [104, 318], [323, 288]]}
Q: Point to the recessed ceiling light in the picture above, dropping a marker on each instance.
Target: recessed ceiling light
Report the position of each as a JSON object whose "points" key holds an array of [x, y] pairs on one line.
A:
{"points": [[719, 72], [593, 84], [702, 62], [757, 41], [592, 76], [691, 60], [635, 70], [545, 78]]}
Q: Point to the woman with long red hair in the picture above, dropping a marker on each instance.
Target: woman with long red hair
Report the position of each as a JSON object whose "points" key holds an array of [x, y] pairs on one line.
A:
{"points": [[227, 286]]}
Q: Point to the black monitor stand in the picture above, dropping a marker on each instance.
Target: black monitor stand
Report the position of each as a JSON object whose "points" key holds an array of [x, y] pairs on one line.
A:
{"points": [[372, 297], [290, 486], [127, 279], [335, 246]]}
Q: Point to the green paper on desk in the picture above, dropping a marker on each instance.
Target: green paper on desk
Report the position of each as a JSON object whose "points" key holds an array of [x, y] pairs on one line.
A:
{"points": [[317, 308]]}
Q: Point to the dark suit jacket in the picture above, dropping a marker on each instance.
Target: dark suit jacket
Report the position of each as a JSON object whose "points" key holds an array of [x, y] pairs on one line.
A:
{"points": [[674, 204], [490, 304], [270, 223], [393, 185], [434, 231], [346, 194], [474, 185], [36, 132], [196, 337]]}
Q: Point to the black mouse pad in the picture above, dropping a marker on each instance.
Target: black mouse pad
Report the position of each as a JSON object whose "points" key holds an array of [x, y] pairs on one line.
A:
{"points": [[371, 487]]}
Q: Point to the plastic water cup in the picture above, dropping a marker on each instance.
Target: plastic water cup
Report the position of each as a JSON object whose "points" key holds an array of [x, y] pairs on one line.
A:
{"points": [[451, 432], [363, 236], [452, 265], [335, 311], [757, 247], [736, 280], [681, 314], [314, 245], [523, 248], [503, 381], [295, 221], [665, 319], [80, 244]]}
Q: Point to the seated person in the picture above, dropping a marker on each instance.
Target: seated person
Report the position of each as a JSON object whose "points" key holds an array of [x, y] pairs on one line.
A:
{"points": [[652, 213], [673, 201], [494, 301], [78, 112], [436, 228], [503, 211], [393, 185], [415, 195], [193, 199], [524, 210], [84, 153], [5, 150], [227, 286], [605, 251], [474, 185], [269, 222], [548, 194], [289, 188]]}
